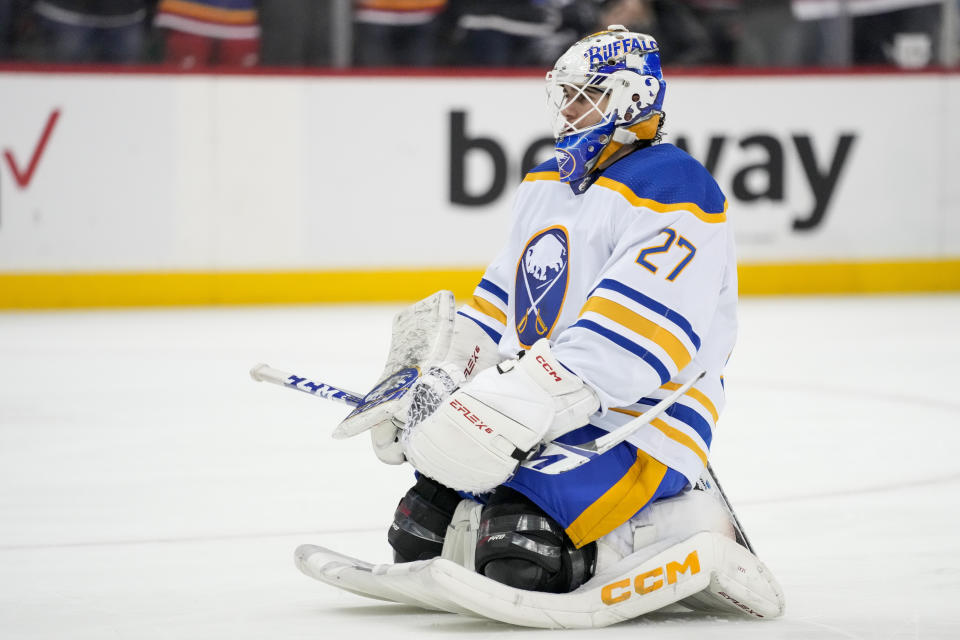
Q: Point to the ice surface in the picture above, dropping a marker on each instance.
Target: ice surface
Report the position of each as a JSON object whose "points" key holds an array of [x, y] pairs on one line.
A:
{"points": [[150, 489]]}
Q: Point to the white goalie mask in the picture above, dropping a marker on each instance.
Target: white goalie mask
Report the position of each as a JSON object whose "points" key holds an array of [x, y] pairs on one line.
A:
{"points": [[607, 88]]}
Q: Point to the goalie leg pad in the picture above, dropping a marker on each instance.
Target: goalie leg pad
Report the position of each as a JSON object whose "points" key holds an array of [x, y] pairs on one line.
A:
{"points": [[522, 547], [674, 572], [421, 520]]}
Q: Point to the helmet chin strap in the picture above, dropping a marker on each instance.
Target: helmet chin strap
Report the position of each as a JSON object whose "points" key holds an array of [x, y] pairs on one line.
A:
{"points": [[645, 130]]}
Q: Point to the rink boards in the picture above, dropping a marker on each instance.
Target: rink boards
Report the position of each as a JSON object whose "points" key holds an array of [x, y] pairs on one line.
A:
{"points": [[149, 188]]}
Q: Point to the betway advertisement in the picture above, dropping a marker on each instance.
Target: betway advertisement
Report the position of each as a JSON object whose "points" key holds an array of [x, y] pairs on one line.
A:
{"points": [[133, 172]]}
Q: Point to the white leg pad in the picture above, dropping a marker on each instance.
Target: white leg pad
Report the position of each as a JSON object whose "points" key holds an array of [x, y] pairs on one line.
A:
{"points": [[678, 554], [405, 583], [740, 584], [706, 571]]}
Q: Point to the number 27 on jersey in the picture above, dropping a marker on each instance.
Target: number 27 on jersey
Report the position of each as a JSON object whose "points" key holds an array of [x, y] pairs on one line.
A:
{"points": [[672, 238]]}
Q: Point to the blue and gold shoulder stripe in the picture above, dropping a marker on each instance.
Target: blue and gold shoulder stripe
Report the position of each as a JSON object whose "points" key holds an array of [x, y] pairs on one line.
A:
{"points": [[488, 309], [666, 179], [547, 170], [655, 333]]}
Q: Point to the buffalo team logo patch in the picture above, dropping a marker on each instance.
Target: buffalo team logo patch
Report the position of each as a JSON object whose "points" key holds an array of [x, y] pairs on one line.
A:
{"points": [[566, 163], [541, 284]]}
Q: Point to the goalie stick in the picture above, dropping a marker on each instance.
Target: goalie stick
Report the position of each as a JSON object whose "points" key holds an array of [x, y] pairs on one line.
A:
{"points": [[708, 482], [266, 373], [551, 458]]}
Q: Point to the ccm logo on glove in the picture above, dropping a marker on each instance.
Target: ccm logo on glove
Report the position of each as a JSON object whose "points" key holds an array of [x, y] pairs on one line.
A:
{"points": [[546, 367], [470, 416]]}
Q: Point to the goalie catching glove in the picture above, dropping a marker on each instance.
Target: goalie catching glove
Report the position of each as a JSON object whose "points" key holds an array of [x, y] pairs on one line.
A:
{"points": [[478, 436], [432, 350]]}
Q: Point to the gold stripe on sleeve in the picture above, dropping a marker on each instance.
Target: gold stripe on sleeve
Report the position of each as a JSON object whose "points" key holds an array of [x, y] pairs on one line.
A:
{"points": [[699, 396], [640, 325], [674, 434], [488, 309], [680, 437]]}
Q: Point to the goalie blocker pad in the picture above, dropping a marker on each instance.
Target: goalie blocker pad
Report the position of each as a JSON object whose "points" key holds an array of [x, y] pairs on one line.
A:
{"points": [[706, 572]]}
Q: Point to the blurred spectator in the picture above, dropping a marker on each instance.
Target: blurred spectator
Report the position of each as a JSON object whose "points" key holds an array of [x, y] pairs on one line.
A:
{"points": [[903, 32], [770, 36], [19, 36], [92, 30], [876, 37], [204, 33], [684, 40], [6, 28], [950, 55], [574, 19], [295, 32], [723, 22], [391, 33], [506, 33]]}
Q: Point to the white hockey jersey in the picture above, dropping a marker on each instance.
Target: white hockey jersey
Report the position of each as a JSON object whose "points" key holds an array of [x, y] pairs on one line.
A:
{"points": [[634, 282]]}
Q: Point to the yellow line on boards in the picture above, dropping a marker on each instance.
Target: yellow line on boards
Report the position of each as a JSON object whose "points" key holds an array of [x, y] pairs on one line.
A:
{"points": [[89, 290], [850, 277], [76, 290]]}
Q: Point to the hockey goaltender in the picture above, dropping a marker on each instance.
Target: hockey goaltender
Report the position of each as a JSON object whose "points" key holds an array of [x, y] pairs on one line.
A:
{"points": [[560, 421]]}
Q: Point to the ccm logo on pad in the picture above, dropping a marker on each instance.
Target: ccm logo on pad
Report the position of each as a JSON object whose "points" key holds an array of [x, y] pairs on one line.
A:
{"points": [[470, 416], [549, 369], [650, 581]]}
